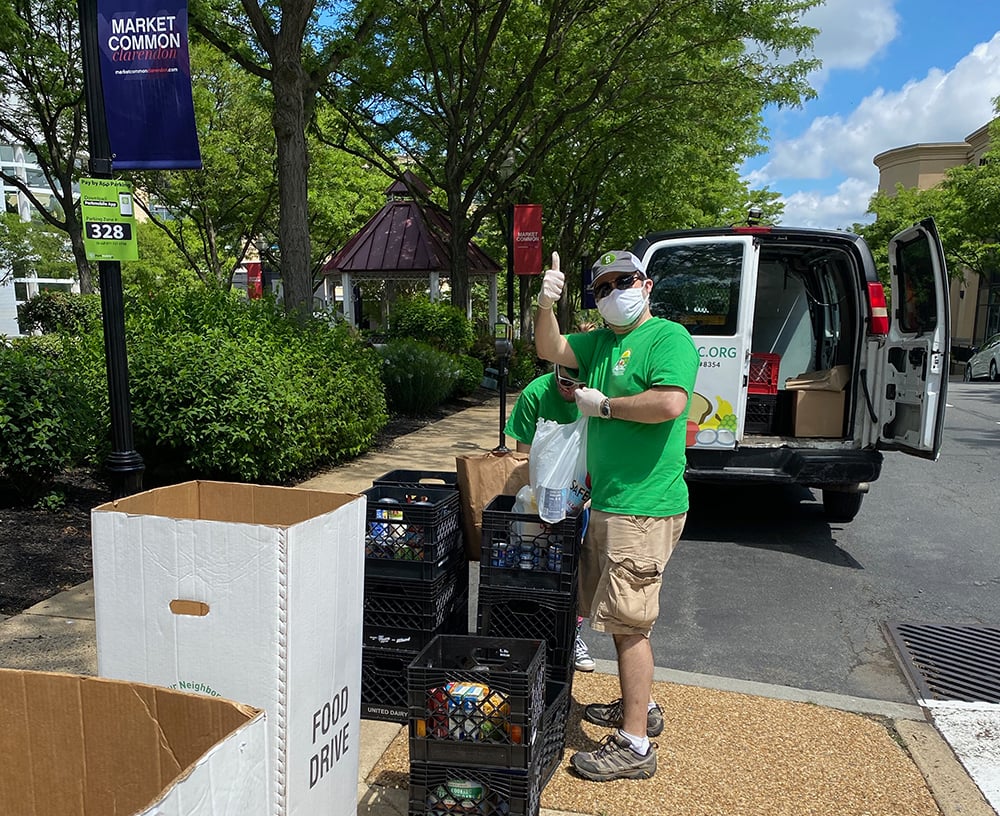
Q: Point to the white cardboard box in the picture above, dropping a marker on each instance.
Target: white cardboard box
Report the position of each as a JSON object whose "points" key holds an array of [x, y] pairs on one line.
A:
{"points": [[74, 745], [252, 593]]}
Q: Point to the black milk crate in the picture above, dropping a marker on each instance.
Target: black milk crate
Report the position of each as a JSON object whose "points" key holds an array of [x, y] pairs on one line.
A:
{"points": [[557, 703], [501, 792], [411, 532], [396, 607], [383, 683], [520, 550], [456, 622], [419, 479], [477, 701], [505, 612], [760, 413]]}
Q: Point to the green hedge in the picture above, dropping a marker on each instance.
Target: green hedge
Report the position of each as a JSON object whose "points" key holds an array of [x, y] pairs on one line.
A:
{"points": [[52, 311], [470, 376], [440, 325], [46, 425], [235, 389], [417, 377], [221, 387]]}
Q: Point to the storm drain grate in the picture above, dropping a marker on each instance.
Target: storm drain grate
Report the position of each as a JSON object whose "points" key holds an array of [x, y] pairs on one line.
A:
{"points": [[949, 662]]}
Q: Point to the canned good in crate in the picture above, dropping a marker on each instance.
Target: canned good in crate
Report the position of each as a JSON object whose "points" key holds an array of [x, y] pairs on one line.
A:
{"points": [[526, 557], [437, 719], [457, 796], [554, 560], [498, 554], [467, 711]]}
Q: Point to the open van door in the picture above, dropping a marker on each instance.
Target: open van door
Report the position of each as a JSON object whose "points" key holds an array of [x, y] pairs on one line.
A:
{"points": [[708, 285], [914, 360]]}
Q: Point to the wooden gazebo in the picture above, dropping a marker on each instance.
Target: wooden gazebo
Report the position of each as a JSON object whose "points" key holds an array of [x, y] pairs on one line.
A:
{"points": [[404, 241]]}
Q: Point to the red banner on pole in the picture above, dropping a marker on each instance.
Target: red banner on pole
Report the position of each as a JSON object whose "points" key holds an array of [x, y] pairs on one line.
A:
{"points": [[255, 280], [527, 239]]}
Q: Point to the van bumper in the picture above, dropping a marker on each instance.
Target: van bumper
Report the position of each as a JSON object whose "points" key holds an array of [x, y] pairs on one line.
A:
{"points": [[810, 468]]}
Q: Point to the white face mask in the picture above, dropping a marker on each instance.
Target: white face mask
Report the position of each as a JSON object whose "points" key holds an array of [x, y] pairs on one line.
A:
{"points": [[622, 307]]}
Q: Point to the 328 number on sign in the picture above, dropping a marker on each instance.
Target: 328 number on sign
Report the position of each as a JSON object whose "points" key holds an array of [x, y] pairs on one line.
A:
{"points": [[106, 230]]}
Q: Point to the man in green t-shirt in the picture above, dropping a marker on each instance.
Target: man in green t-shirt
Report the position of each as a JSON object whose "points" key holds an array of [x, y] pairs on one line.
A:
{"points": [[640, 372], [550, 396]]}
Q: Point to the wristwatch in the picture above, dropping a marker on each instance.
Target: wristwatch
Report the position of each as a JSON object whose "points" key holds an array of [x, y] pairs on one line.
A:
{"points": [[606, 408]]}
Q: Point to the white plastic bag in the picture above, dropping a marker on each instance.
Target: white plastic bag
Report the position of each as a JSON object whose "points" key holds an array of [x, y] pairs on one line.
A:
{"points": [[557, 468]]}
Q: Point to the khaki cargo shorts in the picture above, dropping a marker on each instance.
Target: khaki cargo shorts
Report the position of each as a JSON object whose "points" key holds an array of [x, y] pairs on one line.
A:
{"points": [[621, 569]]}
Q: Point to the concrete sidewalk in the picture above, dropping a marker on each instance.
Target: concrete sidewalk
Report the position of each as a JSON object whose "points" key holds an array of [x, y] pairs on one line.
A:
{"points": [[58, 635]]}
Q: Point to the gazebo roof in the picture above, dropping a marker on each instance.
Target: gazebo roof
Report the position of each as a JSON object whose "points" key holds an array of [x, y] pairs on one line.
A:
{"points": [[405, 240]]}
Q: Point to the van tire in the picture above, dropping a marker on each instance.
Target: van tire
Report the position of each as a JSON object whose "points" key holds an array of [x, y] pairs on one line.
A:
{"points": [[841, 506], [993, 371]]}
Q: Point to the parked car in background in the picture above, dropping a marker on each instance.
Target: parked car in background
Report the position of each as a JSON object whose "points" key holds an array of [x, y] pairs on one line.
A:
{"points": [[985, 362]]}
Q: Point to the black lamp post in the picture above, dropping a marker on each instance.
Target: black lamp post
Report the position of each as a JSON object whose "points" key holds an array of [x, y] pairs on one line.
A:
{"points": [[124, 464], [510, 263], [503, 336], [506, 170]]}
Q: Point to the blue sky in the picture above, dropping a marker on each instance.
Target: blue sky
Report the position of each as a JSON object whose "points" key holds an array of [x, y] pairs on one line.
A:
{"points": [[895, 72]]}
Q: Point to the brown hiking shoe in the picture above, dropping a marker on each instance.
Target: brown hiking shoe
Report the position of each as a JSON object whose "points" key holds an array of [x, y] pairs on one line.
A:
{"points": [[612, 715], [615, 758]]}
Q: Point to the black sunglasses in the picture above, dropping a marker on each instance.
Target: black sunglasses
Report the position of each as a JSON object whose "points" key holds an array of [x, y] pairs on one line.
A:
{"points": [[602, 290]]}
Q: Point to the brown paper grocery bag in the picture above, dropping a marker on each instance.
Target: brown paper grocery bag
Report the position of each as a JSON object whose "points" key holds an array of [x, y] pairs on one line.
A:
{"points": [[481, 477]]}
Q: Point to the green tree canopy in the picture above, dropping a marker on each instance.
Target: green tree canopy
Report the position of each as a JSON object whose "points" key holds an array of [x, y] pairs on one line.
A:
{"points": [[28, 247], [41, 107], [294, 46], [497, 102], [214, 214]]}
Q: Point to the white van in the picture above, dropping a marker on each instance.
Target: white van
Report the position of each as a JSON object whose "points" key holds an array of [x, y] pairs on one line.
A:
{"points": [[805, 377]]}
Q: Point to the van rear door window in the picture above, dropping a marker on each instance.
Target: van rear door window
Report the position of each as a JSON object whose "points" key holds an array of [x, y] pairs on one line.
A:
{"points": [[698, 286], [917, 309]]}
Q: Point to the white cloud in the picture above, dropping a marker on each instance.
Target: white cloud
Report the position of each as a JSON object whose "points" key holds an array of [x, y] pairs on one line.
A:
{"points": [[940, 107], [851, 32], [841, 209]]}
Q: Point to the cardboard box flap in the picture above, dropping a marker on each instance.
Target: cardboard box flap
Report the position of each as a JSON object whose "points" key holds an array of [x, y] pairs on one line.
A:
{"points": [[85, 745], [231, 502], [829, 379]]}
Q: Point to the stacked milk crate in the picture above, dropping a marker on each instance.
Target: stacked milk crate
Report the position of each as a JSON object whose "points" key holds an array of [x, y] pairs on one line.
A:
{"points": [[477, 727], [762, 393], [416, 581], [527, 589]]}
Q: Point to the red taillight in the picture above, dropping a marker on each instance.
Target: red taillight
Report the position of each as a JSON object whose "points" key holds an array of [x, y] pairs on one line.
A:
{"points": [[877, 308], [753, 230]]}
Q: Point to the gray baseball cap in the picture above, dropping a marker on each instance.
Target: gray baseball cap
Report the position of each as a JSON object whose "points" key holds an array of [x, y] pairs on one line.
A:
{"points": [[615, 263]]}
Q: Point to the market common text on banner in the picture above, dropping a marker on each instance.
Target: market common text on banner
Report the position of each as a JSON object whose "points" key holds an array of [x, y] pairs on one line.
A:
{"points": [[146, 83], [527, 239]]}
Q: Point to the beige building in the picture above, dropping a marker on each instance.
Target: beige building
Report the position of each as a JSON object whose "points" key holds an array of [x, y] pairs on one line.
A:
{"points": [[975, 299]]}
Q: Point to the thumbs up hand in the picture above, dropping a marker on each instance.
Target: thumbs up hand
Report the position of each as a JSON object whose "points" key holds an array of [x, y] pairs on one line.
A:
{"points": [[552, 284]]}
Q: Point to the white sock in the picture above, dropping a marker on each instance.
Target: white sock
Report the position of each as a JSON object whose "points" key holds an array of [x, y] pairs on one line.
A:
{"points": [[651, 706], [639, 744]]}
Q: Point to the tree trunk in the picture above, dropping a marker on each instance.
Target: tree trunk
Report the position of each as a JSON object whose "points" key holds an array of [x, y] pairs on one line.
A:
{"points": [[458, 245], [288, 85], [75, 232]]}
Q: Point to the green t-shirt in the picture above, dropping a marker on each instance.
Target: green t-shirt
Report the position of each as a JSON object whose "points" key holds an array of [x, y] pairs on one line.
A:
{"points": [[540, 399], [637, 468]]}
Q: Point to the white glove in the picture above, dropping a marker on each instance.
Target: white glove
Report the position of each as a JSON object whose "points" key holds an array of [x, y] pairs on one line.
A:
{"points": [[552, 284], [589, 400]]}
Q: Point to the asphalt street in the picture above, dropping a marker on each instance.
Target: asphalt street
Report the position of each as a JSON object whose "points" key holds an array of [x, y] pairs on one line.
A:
{"points": [[763, 588]]}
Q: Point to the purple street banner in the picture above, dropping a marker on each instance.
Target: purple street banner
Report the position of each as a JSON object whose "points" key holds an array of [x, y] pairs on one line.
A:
{"points": [[146, 79]]}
